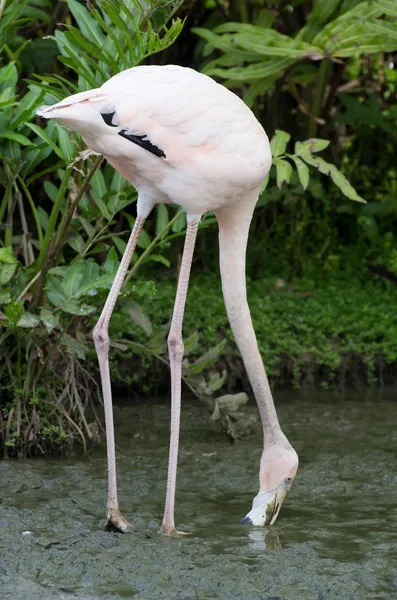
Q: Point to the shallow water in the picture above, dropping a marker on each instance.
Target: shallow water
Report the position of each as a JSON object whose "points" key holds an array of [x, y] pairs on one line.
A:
{"points": [[335, 539]]}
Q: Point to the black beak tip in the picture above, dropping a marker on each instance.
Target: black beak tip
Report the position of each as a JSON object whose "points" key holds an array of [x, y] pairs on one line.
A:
{"points": [[245, 521]]}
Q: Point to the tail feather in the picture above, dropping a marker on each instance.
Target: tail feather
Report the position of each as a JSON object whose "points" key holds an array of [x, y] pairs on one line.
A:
{"points": [[47, 111]]}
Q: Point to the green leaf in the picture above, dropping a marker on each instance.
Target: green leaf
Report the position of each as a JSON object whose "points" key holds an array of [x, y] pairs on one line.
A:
{"points": [[87, 24], [302, 169], [16, 137], [80, 310], [344, 185], [73, 279], [28, 320], [265, 183], [138, 317], [180, 223], [207, 359], [162, 218], [68, 149], [157, 258], [317, 144], [44, 136], [50, 189], [259, 70], [7, 270], [337, 177], [143, 240], [111, 263], [49, 320], [76, 241], [74, 347], [279, 142], [7, 255], [5, 298], [14, 311], [284, 171]]}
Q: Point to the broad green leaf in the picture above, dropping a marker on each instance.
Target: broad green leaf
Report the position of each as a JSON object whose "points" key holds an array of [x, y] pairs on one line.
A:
{"points": [[269, 42], [16, 137], [319, 163], [49, 319], [28, 320], [75, 347], [265, 183], [259, 70], [76, 241], [5, 298], [111, 263], [143, 240], [55, 292], [284, 171], [337, 177], [302, 169], [157, 258], [279, 142], [120, 245], [75, 308], [7, 255], [14, 311], [68, 149], [98, 183], [73, 279], [44, 136], [317, 144], [344, 185], [207, 359], [7, 270], [180, 223], [50, 189], [162, 218], [139, 318]]}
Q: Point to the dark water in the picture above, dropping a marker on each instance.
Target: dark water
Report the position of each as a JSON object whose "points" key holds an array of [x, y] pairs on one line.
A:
{"points": [[336, 536]]}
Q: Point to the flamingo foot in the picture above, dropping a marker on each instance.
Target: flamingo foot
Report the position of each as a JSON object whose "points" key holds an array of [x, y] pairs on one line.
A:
{"points": [[116, 521], [170, 531]]}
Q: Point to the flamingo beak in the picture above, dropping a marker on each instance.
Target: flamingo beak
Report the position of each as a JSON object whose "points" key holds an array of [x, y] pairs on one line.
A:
{"points": [[266, 507]]}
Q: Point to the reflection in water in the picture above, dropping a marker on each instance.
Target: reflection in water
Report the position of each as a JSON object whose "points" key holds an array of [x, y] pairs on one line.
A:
{"points": [[264, 538]]}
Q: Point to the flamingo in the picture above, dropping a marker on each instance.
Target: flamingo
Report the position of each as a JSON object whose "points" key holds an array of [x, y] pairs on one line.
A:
{"points": [[179, 137]]}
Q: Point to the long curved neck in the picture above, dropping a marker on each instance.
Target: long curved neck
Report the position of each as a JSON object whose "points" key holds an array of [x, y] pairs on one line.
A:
{"points": [[234, 222]]}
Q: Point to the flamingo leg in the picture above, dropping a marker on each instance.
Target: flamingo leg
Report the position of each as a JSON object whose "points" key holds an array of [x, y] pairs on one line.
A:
{"points": [[175, 349], [101, 340]]}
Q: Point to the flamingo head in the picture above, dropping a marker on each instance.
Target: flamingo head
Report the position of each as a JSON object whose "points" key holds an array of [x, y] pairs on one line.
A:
{"points": [[278, 468]]}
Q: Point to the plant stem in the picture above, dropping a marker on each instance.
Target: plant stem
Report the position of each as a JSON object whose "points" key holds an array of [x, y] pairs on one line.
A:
{"points": [[29, 285], [318, 96], [242, 8], [32, 208], [151, 246], [4, 202], [65, 222], [53, 219]]}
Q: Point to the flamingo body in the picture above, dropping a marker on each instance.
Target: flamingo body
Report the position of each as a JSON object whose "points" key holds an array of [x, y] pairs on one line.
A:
{"points": [[212, 149], [179, 137]]}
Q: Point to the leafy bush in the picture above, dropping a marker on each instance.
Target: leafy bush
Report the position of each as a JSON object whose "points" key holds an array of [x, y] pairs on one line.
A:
{"points": [[65, 219], [50, 282]]}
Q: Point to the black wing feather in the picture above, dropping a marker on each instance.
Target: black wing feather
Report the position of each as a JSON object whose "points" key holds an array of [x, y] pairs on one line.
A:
{"points": [[143, 142]]}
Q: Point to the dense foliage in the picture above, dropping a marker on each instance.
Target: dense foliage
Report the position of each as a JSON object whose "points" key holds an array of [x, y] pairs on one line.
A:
{"points": [[324, 73]]}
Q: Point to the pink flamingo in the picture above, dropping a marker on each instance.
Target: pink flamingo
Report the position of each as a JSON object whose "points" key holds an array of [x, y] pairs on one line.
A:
{"points": [[179, 137]]}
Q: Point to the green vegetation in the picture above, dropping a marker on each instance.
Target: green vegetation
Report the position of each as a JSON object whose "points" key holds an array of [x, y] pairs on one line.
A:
{"points": [[309, 332], [321, 79]]}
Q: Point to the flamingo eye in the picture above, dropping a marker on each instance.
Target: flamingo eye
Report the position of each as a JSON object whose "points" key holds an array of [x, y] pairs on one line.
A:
{"points": [[288, 479]]}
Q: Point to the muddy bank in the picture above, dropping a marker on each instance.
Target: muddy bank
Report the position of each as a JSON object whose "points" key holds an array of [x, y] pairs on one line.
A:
{"points": [[335, 538]]}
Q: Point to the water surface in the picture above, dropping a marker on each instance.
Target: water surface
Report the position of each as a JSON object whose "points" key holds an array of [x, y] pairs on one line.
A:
{"points": [[336, 537]]}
